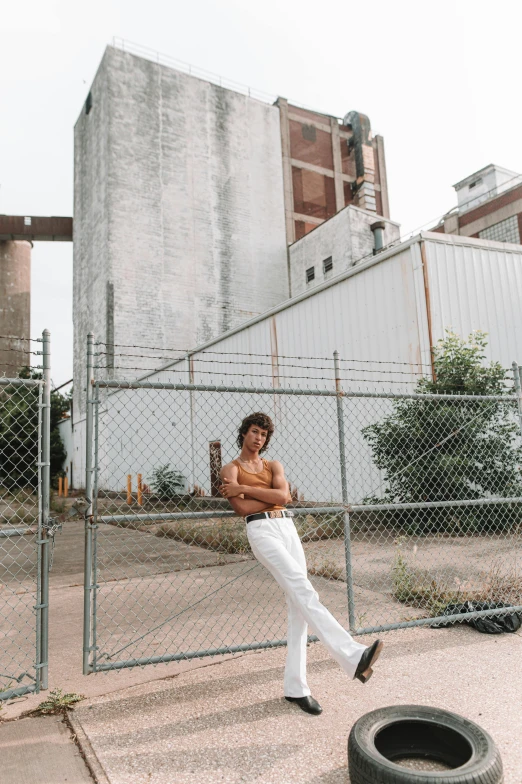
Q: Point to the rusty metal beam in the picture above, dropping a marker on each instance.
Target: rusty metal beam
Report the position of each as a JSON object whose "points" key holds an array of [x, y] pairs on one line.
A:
{"points": [[35, 229]]}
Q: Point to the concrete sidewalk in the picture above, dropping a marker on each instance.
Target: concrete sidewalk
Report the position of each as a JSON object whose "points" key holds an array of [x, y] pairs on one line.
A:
{"points": [[66, 615], [228, 722], [225, 719], [40, 750]]}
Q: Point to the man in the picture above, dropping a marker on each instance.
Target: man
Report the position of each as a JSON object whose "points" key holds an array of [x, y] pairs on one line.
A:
{"points": [[258, 491]]}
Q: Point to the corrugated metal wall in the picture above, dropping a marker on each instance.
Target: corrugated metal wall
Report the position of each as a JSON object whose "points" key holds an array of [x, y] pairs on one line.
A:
{"points": [[377, 317], [477, 285], [369, 316]]}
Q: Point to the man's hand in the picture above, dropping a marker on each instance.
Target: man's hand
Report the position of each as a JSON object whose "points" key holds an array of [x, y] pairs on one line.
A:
{"points": [[230, 489]]}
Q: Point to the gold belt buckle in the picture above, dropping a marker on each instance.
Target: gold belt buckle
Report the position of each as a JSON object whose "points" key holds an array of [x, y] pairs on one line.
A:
{"points": [[275, 513]]}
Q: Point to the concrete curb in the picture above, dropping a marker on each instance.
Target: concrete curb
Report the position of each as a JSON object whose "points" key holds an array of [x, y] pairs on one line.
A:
{"points": [[91, 760]]}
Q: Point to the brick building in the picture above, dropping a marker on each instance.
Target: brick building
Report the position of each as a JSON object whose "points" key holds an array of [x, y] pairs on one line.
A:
{"points": [[489, 206], [329, 164]]}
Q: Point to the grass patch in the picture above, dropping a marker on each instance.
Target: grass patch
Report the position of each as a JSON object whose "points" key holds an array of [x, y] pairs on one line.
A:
{"points": [[313, 528], [20, 517], [229, 534], [134, 525], [57, 702], [58, 505], [221, 536], [418, 588], [328, 569]]}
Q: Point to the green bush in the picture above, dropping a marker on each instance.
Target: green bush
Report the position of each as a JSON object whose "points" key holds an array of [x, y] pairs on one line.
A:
{"points": [[60, 405], [18, 437], [19, 434], [167, 483], [441, 450]]}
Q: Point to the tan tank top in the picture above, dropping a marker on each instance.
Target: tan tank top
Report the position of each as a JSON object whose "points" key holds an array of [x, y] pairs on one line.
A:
{"points": [[260, 479]]}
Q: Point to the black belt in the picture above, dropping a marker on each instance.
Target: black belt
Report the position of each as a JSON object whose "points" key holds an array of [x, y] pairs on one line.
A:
{"points": [[269, 515]]}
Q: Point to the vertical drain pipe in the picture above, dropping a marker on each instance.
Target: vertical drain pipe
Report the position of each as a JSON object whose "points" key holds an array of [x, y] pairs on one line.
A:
{"points": [[378, 236]]}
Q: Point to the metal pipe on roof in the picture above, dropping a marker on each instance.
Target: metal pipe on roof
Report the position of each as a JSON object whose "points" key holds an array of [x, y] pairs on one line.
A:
{"points": [[378, 236]]}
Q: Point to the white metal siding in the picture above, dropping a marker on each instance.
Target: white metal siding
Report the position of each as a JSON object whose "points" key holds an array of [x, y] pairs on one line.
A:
{"points": [[370, 316], [66, 434], [376, 313], [478, 286]]}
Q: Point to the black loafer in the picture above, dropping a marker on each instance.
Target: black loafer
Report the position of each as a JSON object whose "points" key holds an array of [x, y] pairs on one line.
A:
{"points": [[364, 669], [308, 704]]}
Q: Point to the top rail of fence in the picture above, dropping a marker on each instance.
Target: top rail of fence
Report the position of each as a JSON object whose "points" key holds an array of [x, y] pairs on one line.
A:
{"points": [[165, 385], [20, 382]]}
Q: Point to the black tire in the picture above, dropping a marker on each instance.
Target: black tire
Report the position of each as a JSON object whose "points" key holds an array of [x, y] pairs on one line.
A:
{"points": [[379, 737]]}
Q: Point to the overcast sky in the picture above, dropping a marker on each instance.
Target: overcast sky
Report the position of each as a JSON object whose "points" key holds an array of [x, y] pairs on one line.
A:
{"points": [[439, 80]]}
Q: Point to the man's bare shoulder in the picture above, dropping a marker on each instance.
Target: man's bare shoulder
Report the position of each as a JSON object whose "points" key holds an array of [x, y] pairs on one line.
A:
{"points": [[228, 469], [276, 465]]}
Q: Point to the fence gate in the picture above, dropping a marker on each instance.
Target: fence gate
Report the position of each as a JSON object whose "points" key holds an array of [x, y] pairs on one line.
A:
{"points": [[24, 530], [169, 573], [408, 505]]}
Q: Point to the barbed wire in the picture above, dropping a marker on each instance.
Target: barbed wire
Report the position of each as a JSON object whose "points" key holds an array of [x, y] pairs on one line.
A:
{"points": [[269, 357], [330, 378], [15, 337], [279, 365], [29, 367], [285, 377], [20, 350]]}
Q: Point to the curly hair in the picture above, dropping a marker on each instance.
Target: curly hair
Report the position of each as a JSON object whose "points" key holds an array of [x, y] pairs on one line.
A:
{"points": [[261, 420]]}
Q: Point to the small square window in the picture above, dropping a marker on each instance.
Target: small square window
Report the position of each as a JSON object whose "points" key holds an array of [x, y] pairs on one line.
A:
{"points": [[474, 184], [327, 265], [27, 221], [310, 274]]}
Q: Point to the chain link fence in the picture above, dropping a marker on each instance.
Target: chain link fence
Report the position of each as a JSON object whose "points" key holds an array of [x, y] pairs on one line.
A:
{"points": [[436, 521], [24, 504], [408, 505]]}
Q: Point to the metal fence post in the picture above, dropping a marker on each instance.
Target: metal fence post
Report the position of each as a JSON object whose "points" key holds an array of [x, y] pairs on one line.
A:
{"points": [[344, 492], [518, 390], [87, 572], [93, 520], [39, 541], [45, 539]]}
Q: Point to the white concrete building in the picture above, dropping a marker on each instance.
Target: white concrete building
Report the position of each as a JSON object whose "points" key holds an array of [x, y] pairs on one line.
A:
{"points": [[66, 434], [179, 227], [484, 184], [489, 206], [335, 246]]}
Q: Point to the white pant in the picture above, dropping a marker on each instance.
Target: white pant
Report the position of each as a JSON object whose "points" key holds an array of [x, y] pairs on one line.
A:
{"points": [[277, 546]]}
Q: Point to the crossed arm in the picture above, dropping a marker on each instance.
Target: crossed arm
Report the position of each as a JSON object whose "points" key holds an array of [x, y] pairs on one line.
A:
{"points": [[261, 498]]}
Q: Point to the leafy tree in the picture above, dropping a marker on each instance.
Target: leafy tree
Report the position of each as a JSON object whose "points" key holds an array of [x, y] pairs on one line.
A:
{"points": [[18, 437], [445, 450], [60, 405], [19, 433]]}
